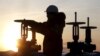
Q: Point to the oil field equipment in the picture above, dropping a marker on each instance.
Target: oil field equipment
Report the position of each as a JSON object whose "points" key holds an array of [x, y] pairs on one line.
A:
{"points": [[27, 48], [88, 47]]}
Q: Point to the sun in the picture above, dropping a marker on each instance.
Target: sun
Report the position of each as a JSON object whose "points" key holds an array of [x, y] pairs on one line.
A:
{"points": [[10, 37], [12, 33], [10, 44]]}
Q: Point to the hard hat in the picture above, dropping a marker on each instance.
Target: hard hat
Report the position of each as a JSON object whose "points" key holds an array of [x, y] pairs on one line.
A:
{"points": [[52, 8]]}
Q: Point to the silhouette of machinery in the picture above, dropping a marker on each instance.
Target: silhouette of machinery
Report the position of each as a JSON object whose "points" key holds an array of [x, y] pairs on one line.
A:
{"points": [[88, 47], [27, 48], [75, 46]]}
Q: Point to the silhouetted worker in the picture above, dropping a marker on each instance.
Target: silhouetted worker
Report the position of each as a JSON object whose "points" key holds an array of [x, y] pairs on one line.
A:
{"points": [[52, 30]]}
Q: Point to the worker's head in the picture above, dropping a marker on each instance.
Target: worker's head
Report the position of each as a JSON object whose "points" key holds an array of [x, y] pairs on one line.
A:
{"points": [[52, 9]]}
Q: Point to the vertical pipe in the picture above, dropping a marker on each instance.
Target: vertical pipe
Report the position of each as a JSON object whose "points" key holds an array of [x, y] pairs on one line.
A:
{"points": [[73, 32], [88, 21], [25, 32], [21, 30], [77, 32], [75, 16], [88, 36], [33, 37]]}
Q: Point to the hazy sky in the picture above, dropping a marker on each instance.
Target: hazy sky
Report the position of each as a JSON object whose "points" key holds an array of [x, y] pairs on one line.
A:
{"points": [[35, 10]]}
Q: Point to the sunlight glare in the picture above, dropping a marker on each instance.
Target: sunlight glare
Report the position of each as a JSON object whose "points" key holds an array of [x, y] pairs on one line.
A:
{"points": [[12, 34], [10, 37]]}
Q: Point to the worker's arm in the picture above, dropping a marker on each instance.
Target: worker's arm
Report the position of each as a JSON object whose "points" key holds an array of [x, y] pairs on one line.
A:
{"points": [[37, 26]]}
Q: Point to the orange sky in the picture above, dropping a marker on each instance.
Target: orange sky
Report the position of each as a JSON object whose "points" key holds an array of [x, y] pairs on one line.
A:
{"points": [[34, 9]]}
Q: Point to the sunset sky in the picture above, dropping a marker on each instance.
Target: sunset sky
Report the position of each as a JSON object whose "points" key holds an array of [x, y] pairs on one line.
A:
{"points": [[35, 10]]}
